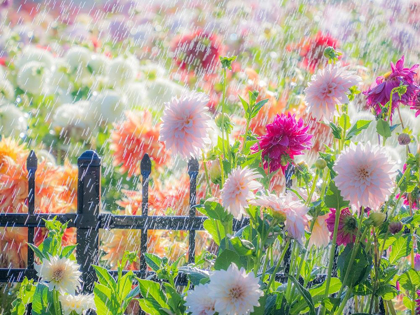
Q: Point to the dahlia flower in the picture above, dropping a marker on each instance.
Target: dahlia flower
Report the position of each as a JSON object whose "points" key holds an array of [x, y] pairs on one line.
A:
{"points": [[14, 249], [238, 189], [312, 50], [78, 304], [73, 120], [12, 121], [328, 88], [418, 302], [365, 175], [185, 124], [347, 226], [133, 138], [60, 273], [234, 291], [320, 235], [122, 71], [161, 91], [416, 105], [198, 52], [32, 77], [199, 302], [78, 57], [380, 92], [98, 64], [7, 91], [286, 137], [108, 106], [288, 208], [32, 53]]}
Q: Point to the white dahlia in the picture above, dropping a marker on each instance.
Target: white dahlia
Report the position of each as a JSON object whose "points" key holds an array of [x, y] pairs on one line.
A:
{"points": [[78, 304], [60, 274], [199, 302], [12, 121], [32, 77], [108, 106], [122, 70], [234, 291], [32, 53]]}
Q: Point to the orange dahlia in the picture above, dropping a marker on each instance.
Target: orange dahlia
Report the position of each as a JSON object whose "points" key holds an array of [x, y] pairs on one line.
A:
{"points": [[133, 138], [14, 250], [68, 179]]}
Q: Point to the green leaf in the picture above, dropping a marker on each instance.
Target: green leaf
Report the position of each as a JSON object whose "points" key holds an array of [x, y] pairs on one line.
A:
{"points": [[382, 127], [214, 210], [37, 252], [151, 307], [105, 278], [357, 128], [194, 274], [336, 131], [104, 300], [305, 294], [227, 61], [360, 267], [387, 291], [242, 247], [68, 251], [153, 261], [345, 121], [401, 248], [258, 107], [213, 226], [151, 290], [226, 258], [333, 198], [245, 105], [42, 301], [410, 280]]}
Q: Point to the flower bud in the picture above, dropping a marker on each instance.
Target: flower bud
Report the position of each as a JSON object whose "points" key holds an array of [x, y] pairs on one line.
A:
{"points": [[395, 227], [377, 218], [215, 172], [404, 139], [320, 164], [223, 122], [331, 53]]}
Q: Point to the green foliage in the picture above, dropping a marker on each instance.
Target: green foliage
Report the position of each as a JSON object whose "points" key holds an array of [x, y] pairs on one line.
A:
{"points": [[113, 296]]}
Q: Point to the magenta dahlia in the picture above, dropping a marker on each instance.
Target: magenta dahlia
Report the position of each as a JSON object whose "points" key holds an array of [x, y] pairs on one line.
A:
{"points": [[380, 92], [347, 226], [285, 138]]}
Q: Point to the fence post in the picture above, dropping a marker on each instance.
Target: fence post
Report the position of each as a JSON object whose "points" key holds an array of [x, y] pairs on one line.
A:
{"points": [[193, 173], [145, 168], [31, 166], [88, 203]]}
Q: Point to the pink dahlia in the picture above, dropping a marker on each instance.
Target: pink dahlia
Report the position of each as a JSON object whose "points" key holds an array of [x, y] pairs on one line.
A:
{"points": [[380, 92], [238, 189], [328, 88], [365, 175], [347, 226], [285, 138], [185, 124], [287, 207], [416, 104]]}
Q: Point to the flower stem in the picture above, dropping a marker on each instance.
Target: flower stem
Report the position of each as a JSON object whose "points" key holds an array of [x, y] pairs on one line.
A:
{"points": [[273, 276], [332, 252], [344, 302], [56, 303], [209, 192]]}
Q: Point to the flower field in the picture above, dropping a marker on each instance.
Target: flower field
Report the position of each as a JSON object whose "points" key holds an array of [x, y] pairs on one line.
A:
{"points": [[304, 117]]}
